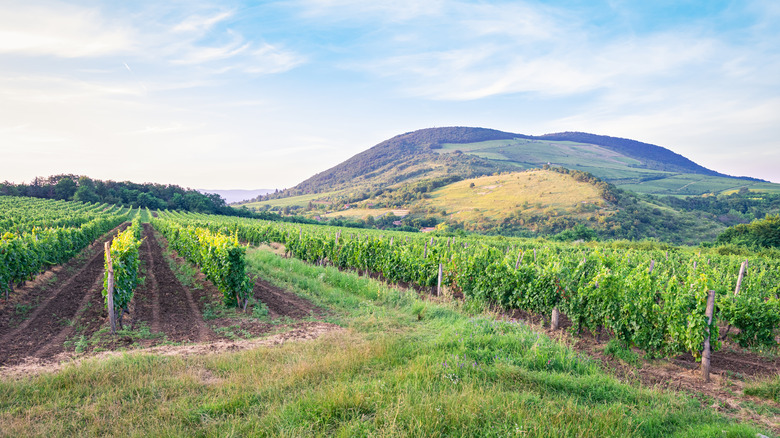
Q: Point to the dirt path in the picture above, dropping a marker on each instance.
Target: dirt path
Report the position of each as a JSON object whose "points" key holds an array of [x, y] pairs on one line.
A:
{"points": [[282, 303], [163, 302], [44, 331]]}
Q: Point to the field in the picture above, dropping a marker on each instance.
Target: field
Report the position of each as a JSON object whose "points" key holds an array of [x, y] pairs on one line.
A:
{"points": [[327, 351], [299, 201], [530, 192]]}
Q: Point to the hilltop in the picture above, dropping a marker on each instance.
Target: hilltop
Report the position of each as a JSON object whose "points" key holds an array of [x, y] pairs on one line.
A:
{"points": [[470, 152]]}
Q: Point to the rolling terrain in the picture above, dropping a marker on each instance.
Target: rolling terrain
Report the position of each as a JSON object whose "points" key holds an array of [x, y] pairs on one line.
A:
{"points": [[470, 152], [485, 180]]}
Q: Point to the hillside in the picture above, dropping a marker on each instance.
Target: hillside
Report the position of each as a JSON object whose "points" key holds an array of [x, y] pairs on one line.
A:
{"points": [[469, 152]]}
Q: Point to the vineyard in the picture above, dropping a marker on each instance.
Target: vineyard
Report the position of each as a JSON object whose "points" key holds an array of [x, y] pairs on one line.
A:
{"points": [[177, 278], [652, 300], [57, 282]]}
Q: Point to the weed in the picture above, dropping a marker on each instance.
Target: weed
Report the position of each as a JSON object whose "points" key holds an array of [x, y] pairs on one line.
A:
{"points": [[22, 309], [620, 351], [768, 389], [260, 310], [233, 332]]}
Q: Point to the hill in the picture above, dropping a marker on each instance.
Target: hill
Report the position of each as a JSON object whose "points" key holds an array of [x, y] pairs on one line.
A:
{"points": [[469, 152]]}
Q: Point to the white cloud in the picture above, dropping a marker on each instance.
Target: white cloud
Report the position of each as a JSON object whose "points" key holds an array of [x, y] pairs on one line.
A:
{"points": [[201, 55], [62, 30], [349, 10], [200, 23], [272, 59]]}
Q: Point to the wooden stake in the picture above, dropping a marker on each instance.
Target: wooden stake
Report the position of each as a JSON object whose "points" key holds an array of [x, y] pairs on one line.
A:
{"points": [[111, 313], [438, 286], [534, 255], [741, 274], [519, 259], [425, 250], [555, 316], [652, 265], [705, 355]]}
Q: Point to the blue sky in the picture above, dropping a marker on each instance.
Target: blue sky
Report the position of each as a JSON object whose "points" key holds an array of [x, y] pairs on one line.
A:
{"points": [[250, 95]]}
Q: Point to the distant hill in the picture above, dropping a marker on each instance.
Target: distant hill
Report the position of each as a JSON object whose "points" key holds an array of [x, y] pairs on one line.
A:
{"points": [[464, 152], [232, 196]]}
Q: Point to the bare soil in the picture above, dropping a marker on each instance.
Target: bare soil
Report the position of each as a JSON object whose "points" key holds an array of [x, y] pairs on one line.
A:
{"points": [[54, 307], [43, 322]]}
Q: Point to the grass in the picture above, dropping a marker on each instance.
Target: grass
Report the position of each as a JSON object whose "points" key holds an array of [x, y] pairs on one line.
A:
{"points": [[768, 389], [618, 350], [401, 367], [293, 201], [532, 192]]}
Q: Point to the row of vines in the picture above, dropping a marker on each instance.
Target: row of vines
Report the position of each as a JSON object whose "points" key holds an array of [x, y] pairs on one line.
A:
{"points": [[219, 256], [654, 300], [122, 262], [37, 234]]}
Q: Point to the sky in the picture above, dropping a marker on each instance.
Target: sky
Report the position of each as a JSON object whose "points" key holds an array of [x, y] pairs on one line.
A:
{"points": [[247, 95]]}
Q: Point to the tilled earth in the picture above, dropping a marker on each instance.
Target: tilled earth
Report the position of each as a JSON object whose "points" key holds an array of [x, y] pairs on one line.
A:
{"points": [[44, 320]]}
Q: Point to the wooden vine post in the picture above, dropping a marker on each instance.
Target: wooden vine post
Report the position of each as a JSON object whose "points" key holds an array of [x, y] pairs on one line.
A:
{"points": [[519, 259], [438, 286], [705, 354], [554, 319], [110, 267], [741, 274]]}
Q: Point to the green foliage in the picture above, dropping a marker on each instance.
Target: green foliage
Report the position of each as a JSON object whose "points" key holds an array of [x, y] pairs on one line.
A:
{"points": [[763, 233], [618, 350], [578, 232], [608, 288], [37, 234], [260, 310], [124, 261], [153, 196], [220, 257]]}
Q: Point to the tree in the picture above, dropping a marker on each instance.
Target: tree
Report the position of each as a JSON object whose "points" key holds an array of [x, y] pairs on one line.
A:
{"points": [[65, 189], [85, 191]]}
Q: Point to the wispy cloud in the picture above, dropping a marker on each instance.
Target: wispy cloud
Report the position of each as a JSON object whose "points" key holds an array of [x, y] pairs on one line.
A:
{"points": [[62, 30], [201, 23]]}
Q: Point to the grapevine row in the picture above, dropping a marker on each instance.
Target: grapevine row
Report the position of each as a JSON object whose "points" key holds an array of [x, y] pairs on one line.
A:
{"points": [[23, 255], [123, 262], [220, 257], [654, 300]]}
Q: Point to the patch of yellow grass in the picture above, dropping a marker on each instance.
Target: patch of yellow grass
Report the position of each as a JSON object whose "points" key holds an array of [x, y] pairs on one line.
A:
{"points": [[535, 191]]}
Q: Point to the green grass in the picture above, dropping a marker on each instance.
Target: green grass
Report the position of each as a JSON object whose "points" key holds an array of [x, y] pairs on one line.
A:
{"points": [[293, 201], [400, 367], [768, 389]]}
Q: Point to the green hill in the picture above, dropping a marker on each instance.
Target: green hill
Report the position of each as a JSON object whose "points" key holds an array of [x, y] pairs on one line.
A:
{"points": [[470, 152], [485, 180]]}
